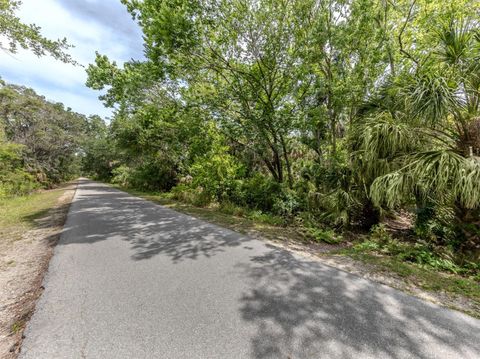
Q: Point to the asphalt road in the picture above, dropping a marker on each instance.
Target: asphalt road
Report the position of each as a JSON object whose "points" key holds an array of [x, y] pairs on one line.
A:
{"points": [[132, 279]]}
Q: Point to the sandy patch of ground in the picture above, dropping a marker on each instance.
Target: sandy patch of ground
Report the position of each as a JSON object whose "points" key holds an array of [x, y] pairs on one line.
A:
{"points": [[23, 265]]}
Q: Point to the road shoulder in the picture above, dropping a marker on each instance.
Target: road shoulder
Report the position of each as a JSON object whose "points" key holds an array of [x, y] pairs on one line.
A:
{"points": [[25, 254]]}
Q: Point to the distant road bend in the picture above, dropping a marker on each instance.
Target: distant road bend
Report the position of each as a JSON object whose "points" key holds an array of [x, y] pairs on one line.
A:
{"points": [[132, 279]]}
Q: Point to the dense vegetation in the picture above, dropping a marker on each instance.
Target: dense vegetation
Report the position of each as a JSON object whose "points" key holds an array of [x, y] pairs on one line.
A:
{"points": [[40, 141], [335, 114]]}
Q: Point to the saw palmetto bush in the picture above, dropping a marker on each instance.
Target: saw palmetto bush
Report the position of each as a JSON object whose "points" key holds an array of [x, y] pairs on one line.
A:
{"points": [[419, 142]]}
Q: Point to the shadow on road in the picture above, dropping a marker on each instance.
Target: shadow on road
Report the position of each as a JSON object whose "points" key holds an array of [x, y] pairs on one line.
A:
{"points": [[149, 228], [299, 308]]}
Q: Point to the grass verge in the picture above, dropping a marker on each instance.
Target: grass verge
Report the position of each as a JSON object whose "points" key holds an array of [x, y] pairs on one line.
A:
{"points": [[29, 228], [424, 277], [18, 214]]}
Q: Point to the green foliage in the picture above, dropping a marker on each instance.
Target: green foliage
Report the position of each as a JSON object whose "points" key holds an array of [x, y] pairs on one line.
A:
{"points": [[216, 170], [422, 253], [147, 176], [232, 209], [442, 174], [435, 224], [259, 192], [121, 176], [196, 196], [380, 234], [421, 144], [324, 235], [14, 180], [267, 218], [17, 183], [153, 176], [40, 141], [26, 36], [339, 112], [99, 154], [287, 205]]}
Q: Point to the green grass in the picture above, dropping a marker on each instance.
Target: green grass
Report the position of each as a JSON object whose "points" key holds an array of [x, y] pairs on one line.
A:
{"points": [[323, 235], [419, 263], [17, 326], [426, 278], [18, 214]]}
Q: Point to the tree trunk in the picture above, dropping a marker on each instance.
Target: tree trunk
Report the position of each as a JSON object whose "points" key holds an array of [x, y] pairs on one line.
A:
{"points": [[369, 216], [468, 224], [287, 162], [271, 168]]}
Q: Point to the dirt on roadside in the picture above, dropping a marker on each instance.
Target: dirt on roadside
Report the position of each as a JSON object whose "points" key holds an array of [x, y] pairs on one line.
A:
{"points": [[22, 268]]}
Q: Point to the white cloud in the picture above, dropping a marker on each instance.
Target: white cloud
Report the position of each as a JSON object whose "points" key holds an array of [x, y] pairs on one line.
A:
{"points": [[89, 31], [83, 104]]}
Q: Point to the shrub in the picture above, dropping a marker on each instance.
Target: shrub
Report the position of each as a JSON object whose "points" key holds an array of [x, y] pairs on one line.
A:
{"points": [[230, 208], [286, 205], [332, 192], [380, 234], [17, 183], [324, 235], [421, 252], [260, 192], [260, 216], [195, 196], [121, 175], [154, 175], [14, 179], [435, 223], [216, 171], [150, 176]]}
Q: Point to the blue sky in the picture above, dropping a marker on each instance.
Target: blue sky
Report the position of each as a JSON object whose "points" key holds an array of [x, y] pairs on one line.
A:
{"points": [[90, 25]]}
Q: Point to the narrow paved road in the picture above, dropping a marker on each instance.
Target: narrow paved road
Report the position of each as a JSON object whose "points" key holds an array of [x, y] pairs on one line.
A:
{"points": [[132, 279]]}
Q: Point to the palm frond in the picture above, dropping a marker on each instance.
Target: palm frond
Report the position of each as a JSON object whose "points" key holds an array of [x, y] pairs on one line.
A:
{"points": [[440, 174], [431, 98], [391, 189], [468, 189], [381, 142], [455, 38]]}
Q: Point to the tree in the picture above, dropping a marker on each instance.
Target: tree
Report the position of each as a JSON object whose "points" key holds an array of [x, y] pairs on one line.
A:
{"points": [[422, 141], [49, 134], [14, 180], [347, 108], [29, 37]]}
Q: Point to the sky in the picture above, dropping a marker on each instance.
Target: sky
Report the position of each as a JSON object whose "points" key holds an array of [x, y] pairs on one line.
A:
{"points": [[90, 25]]}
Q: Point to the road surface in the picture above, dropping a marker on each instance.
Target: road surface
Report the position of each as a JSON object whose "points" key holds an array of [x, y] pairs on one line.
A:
{"points": [[132, 279]]}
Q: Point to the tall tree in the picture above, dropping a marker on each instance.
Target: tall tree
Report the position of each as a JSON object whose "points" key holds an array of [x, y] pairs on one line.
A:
{"points": [[423, 139], [49, 134]]}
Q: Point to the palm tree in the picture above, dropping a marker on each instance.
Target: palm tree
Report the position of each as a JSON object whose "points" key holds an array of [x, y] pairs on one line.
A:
{"points": [[420, 141]]}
